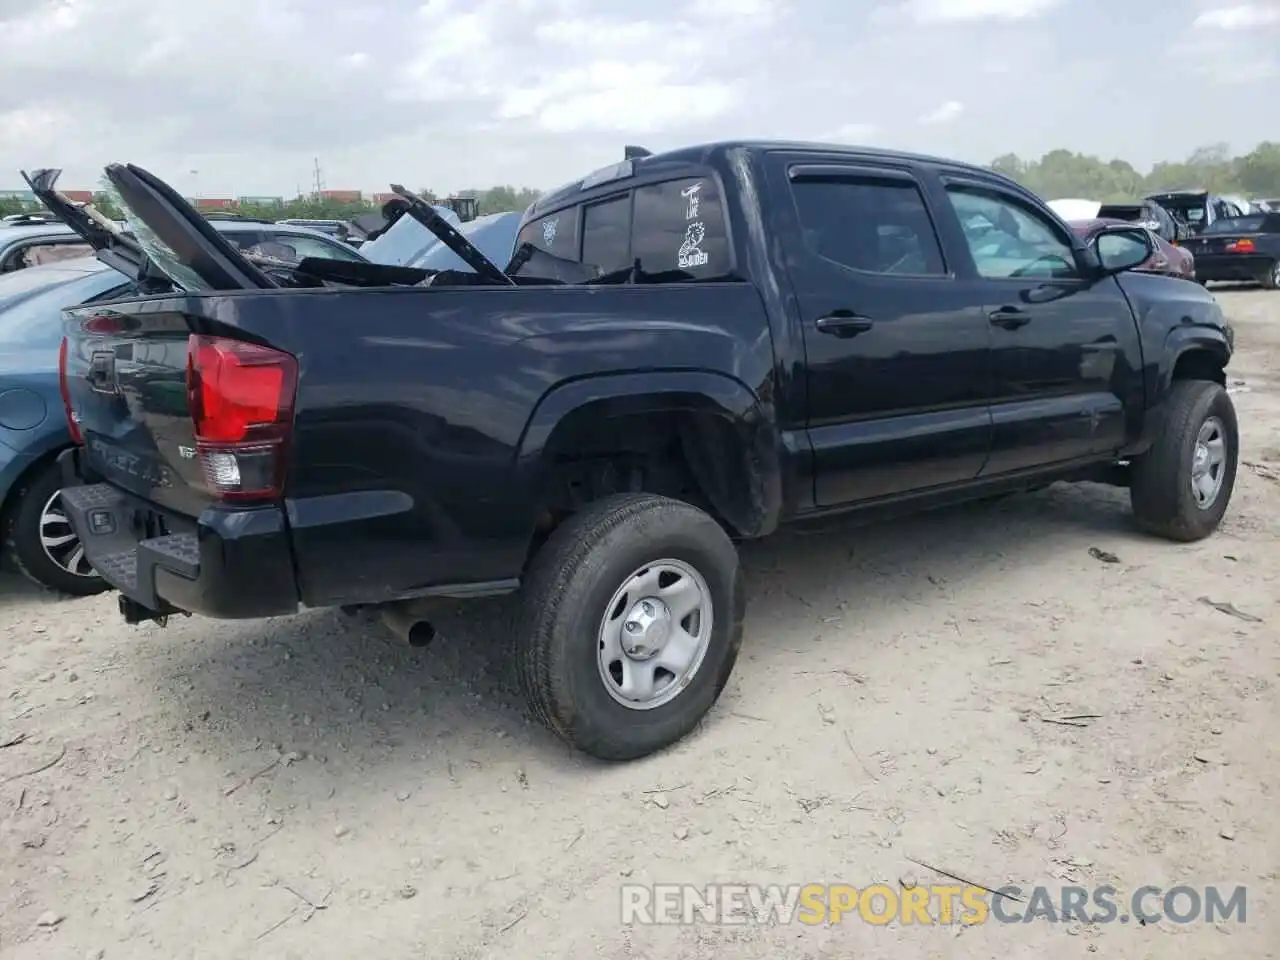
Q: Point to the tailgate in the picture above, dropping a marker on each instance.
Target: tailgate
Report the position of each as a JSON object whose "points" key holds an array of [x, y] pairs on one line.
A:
{"points": [[180, 419], [127, 389]]}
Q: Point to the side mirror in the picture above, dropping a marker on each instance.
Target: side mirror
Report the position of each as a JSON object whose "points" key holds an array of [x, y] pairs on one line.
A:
{"points": [[1121, 248]]}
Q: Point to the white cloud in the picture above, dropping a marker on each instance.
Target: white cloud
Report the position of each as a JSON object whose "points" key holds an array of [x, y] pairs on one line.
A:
{"points": [[1249, 16], [853, 133], [947, 112], [1231, 47], [955, 11], [607, 95]]}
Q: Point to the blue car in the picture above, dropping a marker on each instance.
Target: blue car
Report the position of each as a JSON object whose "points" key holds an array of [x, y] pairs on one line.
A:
{"points": [[28, 241], [33, 428]]}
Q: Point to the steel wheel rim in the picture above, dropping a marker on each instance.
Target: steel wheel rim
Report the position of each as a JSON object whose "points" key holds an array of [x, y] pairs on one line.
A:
{"points": [[654, 634], [59, 542], [1275, 273], [1209, 463]]}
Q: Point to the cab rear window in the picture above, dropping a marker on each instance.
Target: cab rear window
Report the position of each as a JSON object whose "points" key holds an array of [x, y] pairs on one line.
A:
{"points": [[556, 234]]}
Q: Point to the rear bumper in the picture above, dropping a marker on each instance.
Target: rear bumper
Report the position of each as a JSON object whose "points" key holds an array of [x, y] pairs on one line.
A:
{"points": [[1232, 267], [227, 564]]}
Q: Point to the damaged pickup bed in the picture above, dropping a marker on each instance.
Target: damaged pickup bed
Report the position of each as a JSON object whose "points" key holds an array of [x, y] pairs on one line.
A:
{"points": [[686, 350]]}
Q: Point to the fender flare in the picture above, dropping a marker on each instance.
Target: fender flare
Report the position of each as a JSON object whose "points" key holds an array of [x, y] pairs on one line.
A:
{"points": [[1187, 338], [1191, 338], [730, 438]]}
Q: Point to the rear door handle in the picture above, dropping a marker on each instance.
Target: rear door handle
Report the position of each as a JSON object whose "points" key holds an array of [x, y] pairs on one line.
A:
{"points": [[1009, 317], [844, 325]]}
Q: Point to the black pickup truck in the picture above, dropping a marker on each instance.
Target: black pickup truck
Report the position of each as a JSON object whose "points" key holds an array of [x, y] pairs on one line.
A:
{"points": [[687, 349]]}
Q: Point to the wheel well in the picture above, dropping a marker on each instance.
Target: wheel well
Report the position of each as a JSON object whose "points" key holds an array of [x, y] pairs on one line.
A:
{"points": [[1200, 365], [697, 456]]}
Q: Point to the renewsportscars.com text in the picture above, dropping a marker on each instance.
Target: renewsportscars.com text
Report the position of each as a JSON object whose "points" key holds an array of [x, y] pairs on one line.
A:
{"points": [[817, 903]]}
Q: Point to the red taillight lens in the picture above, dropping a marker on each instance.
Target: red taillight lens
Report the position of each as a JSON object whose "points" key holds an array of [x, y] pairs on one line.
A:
{"points": [[72, 425], [103, 323], [241, 399], [1241, 246]]}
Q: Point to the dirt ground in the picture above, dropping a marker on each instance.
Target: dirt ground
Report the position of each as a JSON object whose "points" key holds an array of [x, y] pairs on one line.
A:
{"points": [[306, 788]]}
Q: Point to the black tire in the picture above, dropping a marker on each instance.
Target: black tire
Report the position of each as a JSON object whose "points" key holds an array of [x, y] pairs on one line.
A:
{"points": [[22, 537], [1271, 279], [1160, 489], [571, 582]]}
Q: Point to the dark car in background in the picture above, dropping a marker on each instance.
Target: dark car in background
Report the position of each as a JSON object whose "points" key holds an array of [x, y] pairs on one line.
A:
{"points": [[1240, 249], [1196, 209], [1149, 214], [33, 430], [1166, 258]]}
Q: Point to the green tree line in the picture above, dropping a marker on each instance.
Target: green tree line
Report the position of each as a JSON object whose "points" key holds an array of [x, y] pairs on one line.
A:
{"points": [[1060, 174], [1057, 174]]}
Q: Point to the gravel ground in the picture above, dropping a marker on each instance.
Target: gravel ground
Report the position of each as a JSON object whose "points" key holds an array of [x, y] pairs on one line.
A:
{"points": [[305, 787]]}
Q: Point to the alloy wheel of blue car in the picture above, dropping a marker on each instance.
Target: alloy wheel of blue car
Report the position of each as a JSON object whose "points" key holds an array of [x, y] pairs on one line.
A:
{"points": [[59, 540]]}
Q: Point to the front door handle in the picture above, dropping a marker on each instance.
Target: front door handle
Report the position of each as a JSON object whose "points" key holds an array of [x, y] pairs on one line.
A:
{"points": [[844, 324], [1009, 317]]}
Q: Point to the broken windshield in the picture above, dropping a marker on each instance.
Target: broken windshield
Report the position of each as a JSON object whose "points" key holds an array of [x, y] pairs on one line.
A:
{"points": [[161, 256]]}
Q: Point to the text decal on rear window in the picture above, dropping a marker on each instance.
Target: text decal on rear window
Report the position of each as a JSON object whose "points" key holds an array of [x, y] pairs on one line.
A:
{"points": [[690, 254], [679, 230], [691, 194]]}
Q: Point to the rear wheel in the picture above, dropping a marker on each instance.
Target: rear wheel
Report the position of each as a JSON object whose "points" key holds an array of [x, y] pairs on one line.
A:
{"points": [[1181, 487], [41, 542], [631, 624], [1271, 279]]}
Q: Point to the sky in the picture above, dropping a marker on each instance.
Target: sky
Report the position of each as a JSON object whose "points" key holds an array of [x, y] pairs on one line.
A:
{"points": [[240, 97]]}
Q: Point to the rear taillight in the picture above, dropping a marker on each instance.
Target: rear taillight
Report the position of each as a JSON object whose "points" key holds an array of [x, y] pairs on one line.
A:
{"points": [[1241, 246], [73, 426], [241, 400]]}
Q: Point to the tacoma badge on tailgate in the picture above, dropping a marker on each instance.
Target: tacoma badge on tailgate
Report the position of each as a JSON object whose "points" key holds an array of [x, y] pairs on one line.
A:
{"points": [[132, 464]]}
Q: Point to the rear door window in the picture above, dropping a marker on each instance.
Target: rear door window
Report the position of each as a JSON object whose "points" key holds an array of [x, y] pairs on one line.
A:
{"points": [[679, 227], [606, 235]]}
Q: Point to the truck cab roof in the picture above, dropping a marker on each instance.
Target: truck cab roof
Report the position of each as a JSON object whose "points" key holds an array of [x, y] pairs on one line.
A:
{"points": [[719, 154]]}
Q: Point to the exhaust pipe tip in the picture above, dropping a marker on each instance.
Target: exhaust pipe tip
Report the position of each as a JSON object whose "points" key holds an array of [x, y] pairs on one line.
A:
{"points": [[135, 613], [409, 626], [421, 634]]}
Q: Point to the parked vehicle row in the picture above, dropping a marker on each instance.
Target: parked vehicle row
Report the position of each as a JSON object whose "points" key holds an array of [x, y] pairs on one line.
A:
{"points": [[1198, 234], [685, 349], [1196, 209]]}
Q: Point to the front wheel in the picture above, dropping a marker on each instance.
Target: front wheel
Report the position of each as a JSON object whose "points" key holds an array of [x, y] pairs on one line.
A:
{"points": [[631, 624], [1181, 487]]}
